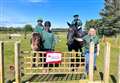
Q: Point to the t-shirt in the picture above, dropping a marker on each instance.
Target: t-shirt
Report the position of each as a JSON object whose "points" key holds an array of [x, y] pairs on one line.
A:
{"points": [[38, 29], [48, 40], [87, 39]]}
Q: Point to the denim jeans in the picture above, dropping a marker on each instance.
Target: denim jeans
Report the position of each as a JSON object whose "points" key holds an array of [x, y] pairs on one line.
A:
{"points": [[87, 53]]}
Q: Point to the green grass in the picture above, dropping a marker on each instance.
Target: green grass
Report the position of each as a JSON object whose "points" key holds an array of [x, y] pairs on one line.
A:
{"points": [[61, 46]]}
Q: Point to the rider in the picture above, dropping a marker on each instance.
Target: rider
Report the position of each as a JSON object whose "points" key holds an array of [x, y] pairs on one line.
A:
{"points": [[39, 27], [78, 21]]}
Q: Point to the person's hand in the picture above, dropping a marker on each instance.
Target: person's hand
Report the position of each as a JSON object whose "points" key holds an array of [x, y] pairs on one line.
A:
{"points": [[97, 53]]}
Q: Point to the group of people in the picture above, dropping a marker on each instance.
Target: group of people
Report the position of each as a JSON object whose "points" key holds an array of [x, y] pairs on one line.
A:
{"points": [[49, 39]]}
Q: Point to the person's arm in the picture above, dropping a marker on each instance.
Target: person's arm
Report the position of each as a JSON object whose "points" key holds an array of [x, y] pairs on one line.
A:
{"points": [[79, 22], [36, 29], [53, 42], [98, 49]]}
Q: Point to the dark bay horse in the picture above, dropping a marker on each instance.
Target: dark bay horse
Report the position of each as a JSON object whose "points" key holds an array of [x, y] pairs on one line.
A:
{"points": [[73, 43], [72, 38]]}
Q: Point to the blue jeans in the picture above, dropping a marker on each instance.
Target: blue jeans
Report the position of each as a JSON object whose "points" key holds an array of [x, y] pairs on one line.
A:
{"points": [[87, 60]]}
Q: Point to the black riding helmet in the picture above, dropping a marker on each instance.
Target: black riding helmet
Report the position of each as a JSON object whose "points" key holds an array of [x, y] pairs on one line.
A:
{"points": [[39, 19], [47, 23], [76, 15]]}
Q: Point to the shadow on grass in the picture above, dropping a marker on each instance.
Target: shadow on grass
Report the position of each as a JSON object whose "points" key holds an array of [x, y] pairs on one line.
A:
{"points": [[31, 78], [53, 77], [101, 75], [111, 76], [113, 79]]}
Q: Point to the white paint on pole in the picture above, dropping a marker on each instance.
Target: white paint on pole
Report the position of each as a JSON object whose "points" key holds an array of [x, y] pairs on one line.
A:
{"points": [[91, 61], [17, 66], [107, 63], [1, 62]]}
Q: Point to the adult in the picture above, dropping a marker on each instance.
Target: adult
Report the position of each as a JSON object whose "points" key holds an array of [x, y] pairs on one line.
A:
{"points": [[91, 37]]}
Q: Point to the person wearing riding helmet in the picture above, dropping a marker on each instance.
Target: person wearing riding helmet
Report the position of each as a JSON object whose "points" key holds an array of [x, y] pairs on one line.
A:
{"points": [[48, 42], [48, 37], [78, 21], [39, 27]]}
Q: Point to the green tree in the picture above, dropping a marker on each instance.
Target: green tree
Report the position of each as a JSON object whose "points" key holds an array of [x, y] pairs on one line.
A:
{"points": [[96, 23], [27, 28], [111, 15]]}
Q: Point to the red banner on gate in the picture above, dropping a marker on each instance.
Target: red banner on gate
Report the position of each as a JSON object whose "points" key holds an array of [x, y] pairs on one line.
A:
{"points": [[53, 57]]}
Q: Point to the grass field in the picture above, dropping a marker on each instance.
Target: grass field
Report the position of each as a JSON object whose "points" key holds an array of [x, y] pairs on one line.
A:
{"points": [[61, 46]]}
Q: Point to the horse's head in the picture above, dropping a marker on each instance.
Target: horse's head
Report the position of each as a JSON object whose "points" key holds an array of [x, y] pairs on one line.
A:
{"points": [[72, 31], [36, 41]]}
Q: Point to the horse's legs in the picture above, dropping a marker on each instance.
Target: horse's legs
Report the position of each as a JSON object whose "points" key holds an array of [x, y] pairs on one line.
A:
{"points": [[72, 60], [69, 48], [77, 58], [34, 60]]}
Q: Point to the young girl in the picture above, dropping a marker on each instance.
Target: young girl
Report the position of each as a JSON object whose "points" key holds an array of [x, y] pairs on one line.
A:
{"points": [[48, 42]]}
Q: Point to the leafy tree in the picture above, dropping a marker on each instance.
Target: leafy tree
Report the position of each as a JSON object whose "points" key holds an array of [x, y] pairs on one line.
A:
{"points": [[111, 15], [97, 23], [27, 28]]}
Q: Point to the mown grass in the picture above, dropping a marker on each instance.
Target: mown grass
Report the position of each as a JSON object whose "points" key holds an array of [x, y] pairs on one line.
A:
{"points": [[61, 46]]}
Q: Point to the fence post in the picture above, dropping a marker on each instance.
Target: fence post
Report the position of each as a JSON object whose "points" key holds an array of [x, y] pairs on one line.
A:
{"points": [[91, 61], [17, 63], [119, 69], [1, 62], [107, 63]]}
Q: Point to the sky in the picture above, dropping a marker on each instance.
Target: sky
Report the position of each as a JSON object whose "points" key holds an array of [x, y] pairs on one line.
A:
{"points": [[17, 13]]}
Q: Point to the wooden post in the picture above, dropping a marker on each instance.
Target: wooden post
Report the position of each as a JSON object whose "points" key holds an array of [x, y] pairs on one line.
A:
{"points": [[107, 63], [119, 70], [91, 61], [1, 62], [17, 66]]}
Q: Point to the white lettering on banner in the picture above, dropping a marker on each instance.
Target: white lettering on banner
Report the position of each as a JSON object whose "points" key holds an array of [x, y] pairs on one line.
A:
{"points": [[53, 57]]}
